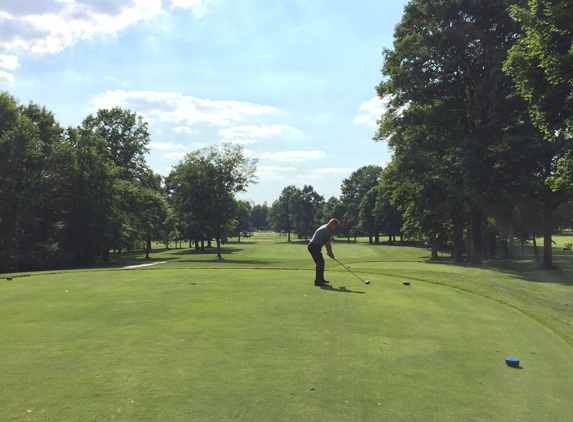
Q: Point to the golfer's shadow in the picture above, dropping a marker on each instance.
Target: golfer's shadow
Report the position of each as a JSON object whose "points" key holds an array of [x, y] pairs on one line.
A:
{"points": [[341, 289]]}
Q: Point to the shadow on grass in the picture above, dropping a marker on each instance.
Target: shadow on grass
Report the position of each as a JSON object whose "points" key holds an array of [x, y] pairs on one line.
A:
{"points": [[525, 269], [225, 250], [230, 261], [341, 289]]}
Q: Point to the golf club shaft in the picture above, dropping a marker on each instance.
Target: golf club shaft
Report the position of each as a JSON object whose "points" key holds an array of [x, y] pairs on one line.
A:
{"points": [[349, 270]]}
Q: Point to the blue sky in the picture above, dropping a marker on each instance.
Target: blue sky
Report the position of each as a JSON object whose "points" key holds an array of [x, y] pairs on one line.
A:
{"points": [[291, 81]]}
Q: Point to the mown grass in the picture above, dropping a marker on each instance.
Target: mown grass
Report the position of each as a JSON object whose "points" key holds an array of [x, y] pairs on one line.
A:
{"points": [[249, 338]]}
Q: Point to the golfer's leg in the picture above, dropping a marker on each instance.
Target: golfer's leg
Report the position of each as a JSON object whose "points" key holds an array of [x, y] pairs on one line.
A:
{"points": [[318, 260], [319, 267]]}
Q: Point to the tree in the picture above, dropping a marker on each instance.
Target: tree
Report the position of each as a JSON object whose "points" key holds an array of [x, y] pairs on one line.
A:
{"points": [[353, 189], [448, 56], [541, 63], [29, 209], [89, 194], [280, 216], [126, 136], [307, 211], [243, 219], [203, 187], [259, 214]]}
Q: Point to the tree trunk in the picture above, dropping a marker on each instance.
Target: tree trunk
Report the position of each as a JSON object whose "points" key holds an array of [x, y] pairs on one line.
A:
{"points": [[370, 238], [477, 247], [434, 256], [219, 248], [458, 239], [105, 255], [522, 249], [505, 248], [510, 236], [535, 250], [288, 234], [377, 238], [547, 241], [147, 246]]}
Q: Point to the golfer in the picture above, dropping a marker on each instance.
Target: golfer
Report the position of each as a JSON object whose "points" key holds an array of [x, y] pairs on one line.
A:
{"points": [[322, 238]]}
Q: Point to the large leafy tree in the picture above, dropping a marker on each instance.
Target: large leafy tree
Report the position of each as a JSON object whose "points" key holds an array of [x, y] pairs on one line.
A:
{"points": [[541, 63], [448, 55], [89, 194], [203, 187], [127, 140], [426, 169], [29, 209]]}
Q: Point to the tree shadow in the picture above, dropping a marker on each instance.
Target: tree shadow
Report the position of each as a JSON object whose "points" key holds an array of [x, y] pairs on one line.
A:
{"points": [[525, 269], [340, 289], [264, 263]]}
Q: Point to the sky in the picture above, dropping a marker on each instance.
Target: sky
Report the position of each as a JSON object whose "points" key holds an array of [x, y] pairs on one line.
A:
{"points": [[293, 81]]}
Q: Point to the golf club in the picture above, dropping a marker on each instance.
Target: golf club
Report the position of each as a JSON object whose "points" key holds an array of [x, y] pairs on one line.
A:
{"points": [[364, 281]]}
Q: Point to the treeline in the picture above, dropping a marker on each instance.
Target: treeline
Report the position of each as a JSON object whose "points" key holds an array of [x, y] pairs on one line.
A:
{"points": [[69, 196], [480, 98], [362, 209]]}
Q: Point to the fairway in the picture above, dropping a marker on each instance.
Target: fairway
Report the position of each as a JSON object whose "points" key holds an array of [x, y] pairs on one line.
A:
{"points": [[249, 338]]}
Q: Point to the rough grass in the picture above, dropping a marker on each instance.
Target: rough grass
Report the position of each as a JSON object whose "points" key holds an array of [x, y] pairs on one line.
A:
{"points": [[249, 338]]}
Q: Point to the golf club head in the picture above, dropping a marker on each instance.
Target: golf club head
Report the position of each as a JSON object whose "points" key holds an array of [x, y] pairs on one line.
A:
{"points": [[366, 281]]}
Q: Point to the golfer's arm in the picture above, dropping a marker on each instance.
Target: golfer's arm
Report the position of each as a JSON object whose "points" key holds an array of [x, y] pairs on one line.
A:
{"points": [[329, 249]]}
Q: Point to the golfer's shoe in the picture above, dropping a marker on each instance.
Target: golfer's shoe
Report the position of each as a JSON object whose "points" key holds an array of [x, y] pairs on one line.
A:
{"points": [[321, 283]]}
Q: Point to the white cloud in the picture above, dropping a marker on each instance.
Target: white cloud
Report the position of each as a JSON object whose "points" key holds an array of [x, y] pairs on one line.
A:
{"points": [[273, 172], [294, 156], [372, 111], [9, 62], [6, 77], [183, 129], [55, 25], [241, 141], [256, 132], [333, 170], [176, 155], [179, 109], [49, 26], [199, 7], [325, 173], [165, 145]]}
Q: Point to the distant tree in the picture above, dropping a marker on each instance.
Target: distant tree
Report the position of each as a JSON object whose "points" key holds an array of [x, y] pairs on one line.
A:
{"points": [[307, 211], [259, 214], [203, 187], [367, 220], [353, 189], [243, 219], [280, 215]]}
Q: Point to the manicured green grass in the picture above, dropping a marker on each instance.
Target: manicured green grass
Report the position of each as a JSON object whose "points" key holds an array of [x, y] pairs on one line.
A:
{"points": [[249, 338]]}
